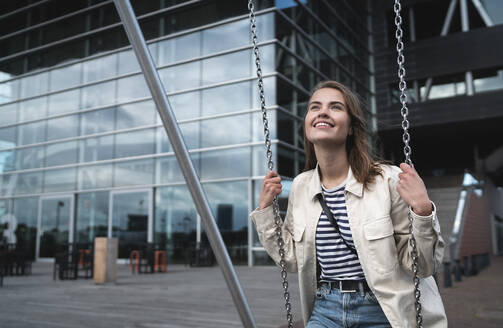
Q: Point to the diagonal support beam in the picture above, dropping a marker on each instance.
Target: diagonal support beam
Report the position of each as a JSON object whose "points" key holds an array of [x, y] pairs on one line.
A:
{"points": [[149, 70]]}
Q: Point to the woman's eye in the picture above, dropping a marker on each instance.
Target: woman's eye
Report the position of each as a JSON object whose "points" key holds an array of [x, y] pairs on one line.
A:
{"points": [[336, 107], [314, 108]]}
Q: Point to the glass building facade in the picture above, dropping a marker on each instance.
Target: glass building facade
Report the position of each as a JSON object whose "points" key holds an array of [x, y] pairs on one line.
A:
{"points": [[83, 152]]}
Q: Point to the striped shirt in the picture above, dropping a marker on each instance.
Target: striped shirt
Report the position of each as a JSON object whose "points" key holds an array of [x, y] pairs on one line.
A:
{"points": [[337, 262]]}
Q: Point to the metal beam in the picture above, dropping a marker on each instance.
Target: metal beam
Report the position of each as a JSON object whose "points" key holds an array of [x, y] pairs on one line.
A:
{"points": [[140, 48]]}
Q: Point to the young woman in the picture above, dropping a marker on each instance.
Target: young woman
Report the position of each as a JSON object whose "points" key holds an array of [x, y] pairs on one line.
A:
{"points": [[360, 275]]}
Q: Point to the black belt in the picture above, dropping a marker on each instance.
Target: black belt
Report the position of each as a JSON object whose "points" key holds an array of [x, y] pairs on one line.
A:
{"points": [[347, 286]]}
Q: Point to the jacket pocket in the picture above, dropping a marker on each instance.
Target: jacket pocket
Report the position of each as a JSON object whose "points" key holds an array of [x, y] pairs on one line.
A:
{"points": [[381, 244], [298, 242]]}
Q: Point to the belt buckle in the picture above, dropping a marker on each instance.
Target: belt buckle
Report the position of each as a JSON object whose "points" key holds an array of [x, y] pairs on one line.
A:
{"points": [[345, 290]]}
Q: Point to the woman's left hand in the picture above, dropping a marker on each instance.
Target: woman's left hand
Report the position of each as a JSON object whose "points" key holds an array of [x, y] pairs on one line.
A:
{"points": [[413, 191]]}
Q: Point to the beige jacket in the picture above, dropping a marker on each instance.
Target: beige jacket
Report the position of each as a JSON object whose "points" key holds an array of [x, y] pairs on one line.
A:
{"points": [[378, 218]]}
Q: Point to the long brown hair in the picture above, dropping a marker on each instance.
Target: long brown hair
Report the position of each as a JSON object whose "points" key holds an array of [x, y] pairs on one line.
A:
{"points": [[364, 165]]}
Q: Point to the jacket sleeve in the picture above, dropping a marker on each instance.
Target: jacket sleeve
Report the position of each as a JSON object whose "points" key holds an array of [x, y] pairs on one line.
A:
{"points": [[426, 229], [264, 222]]}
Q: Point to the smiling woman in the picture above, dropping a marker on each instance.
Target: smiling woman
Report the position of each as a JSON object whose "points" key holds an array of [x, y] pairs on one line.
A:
{"points": [[346, 229]]}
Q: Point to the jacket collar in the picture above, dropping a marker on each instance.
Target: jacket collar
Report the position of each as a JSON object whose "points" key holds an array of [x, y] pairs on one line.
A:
{"points": [[352, 185]]}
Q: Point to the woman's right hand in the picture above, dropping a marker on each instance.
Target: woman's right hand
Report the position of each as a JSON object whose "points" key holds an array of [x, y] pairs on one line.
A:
{"points": [[271, 186]]}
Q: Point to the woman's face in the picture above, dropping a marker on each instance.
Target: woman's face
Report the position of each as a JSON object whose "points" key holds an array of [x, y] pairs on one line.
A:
{"points": [[327, 120]]}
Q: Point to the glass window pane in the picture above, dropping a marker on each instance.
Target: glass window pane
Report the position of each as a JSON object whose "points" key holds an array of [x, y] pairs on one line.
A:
{"points": [[100, 68], [185, 105], [9, 114], [259, 164], [135, 143], [63, 127], [175, 222], [229, 204], [8, 137], [190, 133], [61, 153], [30, 158], [98, 121], [131, 173], [227, 98], [7, 160], [6, 186], [60, 180], [228, 36], [168, 170], [137, 114], [92, 216], [95, 176], [132, 87], [29, 183], [9, 91], [258, 125], [33, 109], [225, 163], [34, 85], [101, 94], [97, 149], [179, 48], [66, 77], [31, 133], [64, 102], [270, 93], [26, 212], [225, 130], [180, 77], [227, 67]]}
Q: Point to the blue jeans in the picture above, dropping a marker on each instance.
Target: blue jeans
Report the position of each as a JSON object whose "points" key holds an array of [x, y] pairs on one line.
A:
{"points": [[335, 309]]}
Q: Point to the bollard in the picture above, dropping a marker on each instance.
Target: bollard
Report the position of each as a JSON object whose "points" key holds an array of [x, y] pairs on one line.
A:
{"points": [[457, 271], [447, 275]]}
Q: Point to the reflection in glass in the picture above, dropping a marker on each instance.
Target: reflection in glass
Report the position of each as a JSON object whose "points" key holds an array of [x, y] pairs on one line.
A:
{"points": [[33, 109], [169, 171], [179, 48], [61, 153], [175, 222], [227, 67], [229, 204], [132, 87], [135, 143], [26, 211], [95, 176], [227, 98], [9, 91], [137, 114], [92, 216], [130, 220], [224, 37], [225, 163], [180, 77], [6, 187], [225, 130], [259, 159], [101, 94], [190, 133], [489, 80], [270, 94], [9, 114], [8, 137], [64, 102], [97, 121], [66, 77], [131, 173], [54, 224], [258, 125], [29, 183], [31, 133], [60, 180], [30, 158], [34, 85], [185, 105], [128, 62], [100, 68], [96, 149], [63, 127], [7, 161]]}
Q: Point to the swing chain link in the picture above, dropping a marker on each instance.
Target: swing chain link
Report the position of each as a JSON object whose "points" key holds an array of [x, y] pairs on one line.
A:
{"points": [[402, 85], [277, 218]]}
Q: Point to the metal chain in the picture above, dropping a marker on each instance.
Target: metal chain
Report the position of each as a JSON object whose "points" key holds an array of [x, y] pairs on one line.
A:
{"points": [[402, 86], [277, 218]]}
